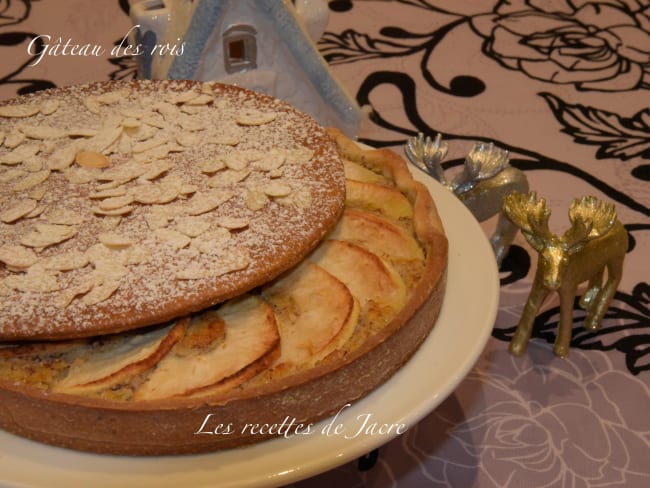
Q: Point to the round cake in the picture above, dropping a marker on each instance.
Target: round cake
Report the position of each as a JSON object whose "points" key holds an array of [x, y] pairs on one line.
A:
{"points": [[331, 323], [124, 205]]}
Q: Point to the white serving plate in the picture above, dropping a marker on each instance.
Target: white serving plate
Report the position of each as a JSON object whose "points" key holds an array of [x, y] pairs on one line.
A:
{"points": [[443, 360]]}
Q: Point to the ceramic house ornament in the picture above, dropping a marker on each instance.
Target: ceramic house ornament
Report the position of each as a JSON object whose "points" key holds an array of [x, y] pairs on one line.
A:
{"points": [[267, 46]]}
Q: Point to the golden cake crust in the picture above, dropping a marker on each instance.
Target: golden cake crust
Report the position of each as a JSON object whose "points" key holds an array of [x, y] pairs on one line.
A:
{"points": [[129, 204], [182, 424]]}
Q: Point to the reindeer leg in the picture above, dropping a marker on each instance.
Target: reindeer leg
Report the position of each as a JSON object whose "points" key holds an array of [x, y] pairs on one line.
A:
{"points": [[602, 301], [593, 287], [503, 237], [563, 337], [538, 294]]}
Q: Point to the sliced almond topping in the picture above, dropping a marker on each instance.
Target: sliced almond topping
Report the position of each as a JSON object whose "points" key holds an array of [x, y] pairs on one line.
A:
{"points": [[82, 132], [33, 164], [149, 144], [202, 99], [223, 139], [228, 177], [193, 226], [66, 261], [205, 202], [78, 176], [212, 166], [46, 235], [17, 258], [69, 294], [232, 223], [172, 237], [157, 220], [91, 159], [19, 111], [118, 211], [36, 212], [100, 293], [37, 193], [256, 117], [188, 139], [36, 280], [277, 188], [256, 199], [116, 202], [62, 157], [114, 240], [19, 210], [42, 132], [212, 243], [112, 192], [32, 180], [155, 169], [48, 107], [19, 154], [146, 194], [12, 174]]}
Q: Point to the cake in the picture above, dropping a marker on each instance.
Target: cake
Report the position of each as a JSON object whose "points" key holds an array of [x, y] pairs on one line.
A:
{"points": [[343, 305]]}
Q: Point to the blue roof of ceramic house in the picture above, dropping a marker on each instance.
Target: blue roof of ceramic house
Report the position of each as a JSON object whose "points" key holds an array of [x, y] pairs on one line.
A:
{"points": [[207, 15]]}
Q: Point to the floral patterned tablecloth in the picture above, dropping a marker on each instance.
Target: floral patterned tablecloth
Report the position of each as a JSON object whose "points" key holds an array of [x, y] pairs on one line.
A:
{"points": [[564, 85]]}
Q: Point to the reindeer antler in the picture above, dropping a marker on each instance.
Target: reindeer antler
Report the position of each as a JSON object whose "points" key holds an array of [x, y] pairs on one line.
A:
{"points": [[529, 214], [590, 218], [486, 160]]}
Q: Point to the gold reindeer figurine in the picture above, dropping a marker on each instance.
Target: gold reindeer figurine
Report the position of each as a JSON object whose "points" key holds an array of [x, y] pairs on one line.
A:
{"points": [[595, 241]]}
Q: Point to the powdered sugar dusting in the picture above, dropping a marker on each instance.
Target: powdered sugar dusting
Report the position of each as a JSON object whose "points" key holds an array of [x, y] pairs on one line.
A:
{"points": [[168, 226]]}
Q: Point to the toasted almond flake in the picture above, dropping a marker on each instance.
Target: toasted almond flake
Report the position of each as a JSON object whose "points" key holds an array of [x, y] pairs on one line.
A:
{"points": [[156, 220], [228, 177], [82, 132], [118, 211], [112, 192], [19, 154], [111, 222], [222, 139], [193, 226], [36, 212], [188, 139], [32, 180], [116, 202], [133, 113], [299, 155], [147, 194], [277, 188], [143, 133], [255, 117], [123, 173], [17, 257], [48, 107], [19, 111], [134, 254], [169, 192], [19, 210], [212, 166], [207, 201], [46, 235], [114, 240], [172, 237], [36, 280], [66, 261], [64, 216], [183, 97], [237, 161], [271, 161], [276, 173], [232, 223], [155, 120], [62, 157], [91, 103], [91, 159], [37, 193], [42, 132], [156, 169], [33, 164], [109, 98], [100, 293], [190, 123], [149, 144], [79, 176], [256, 199], [106, 137], [202, 99], [66, 297], [188, 189], [213, 242], [12, 174]]}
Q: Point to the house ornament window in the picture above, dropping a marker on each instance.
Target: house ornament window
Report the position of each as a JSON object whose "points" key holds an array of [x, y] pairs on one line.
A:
{"points": [[240, 48]]}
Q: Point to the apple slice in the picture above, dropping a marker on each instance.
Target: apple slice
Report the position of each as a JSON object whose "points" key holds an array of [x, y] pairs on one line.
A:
{"points": [[354, 171], [316, 315], [371, 196], [375, 283], [251, 342], [112, 359], [377, 235]]}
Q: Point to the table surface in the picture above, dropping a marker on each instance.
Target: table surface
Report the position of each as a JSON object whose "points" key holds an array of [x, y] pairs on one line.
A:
{"points": [[565, 87]]}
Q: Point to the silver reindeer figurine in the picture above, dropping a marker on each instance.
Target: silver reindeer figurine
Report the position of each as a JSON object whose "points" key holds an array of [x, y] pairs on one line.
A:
{"points": [[595, 242], [487, 177]]}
